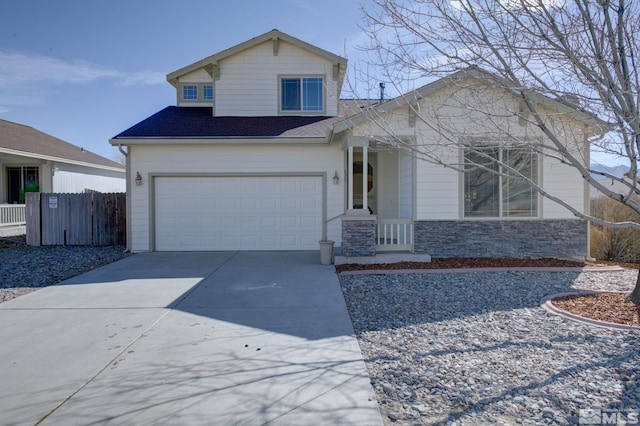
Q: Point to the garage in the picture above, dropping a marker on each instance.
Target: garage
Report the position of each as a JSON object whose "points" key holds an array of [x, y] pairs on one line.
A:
{"points": [[233, 213]]}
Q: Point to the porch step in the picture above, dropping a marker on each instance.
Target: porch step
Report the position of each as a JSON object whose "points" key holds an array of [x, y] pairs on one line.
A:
{"points": [[383, 258]]}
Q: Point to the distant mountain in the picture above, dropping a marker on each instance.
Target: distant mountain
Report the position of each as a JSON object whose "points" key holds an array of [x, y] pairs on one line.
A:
{"points": [[617, 171]]}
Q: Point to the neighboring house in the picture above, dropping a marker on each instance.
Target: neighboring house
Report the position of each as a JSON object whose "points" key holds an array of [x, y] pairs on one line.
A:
{"points": [[260, 154], [32, 159]]}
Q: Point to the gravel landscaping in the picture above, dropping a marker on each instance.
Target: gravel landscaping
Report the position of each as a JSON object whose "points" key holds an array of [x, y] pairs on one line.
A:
{"points": [[24, 269], [476, 349]]}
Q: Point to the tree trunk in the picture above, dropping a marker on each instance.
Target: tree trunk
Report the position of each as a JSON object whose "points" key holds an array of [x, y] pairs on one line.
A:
{"points": [[635, 294]]}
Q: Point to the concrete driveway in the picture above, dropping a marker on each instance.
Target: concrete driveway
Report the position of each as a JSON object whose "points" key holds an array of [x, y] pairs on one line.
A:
{"points": [[186, 338]]}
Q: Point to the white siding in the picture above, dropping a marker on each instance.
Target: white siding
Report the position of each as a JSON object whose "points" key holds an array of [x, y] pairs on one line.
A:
{"points": [[70, 178], [459, 113], [565, 183], [248, 84], [233, 160], [437, 191], [197, 76]]}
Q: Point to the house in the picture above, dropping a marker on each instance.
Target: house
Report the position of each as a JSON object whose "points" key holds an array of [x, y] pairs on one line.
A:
{"points": [[33, 159], [260, 153]]}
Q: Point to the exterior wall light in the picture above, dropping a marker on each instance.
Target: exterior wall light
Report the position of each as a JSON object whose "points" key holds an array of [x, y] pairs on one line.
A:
{"points": [[336, 178], [138, 179]]}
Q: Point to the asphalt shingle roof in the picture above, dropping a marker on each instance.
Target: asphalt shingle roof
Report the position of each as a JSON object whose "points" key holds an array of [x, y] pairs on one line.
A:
{"points": [[18, 137], [198, 122]]}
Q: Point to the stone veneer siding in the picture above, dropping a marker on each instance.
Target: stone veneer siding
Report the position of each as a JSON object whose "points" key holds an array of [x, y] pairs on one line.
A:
{"points": [[358, 238], [502, 238]]}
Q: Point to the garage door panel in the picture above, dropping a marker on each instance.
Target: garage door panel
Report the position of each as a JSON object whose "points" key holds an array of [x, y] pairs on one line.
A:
{"points": [[238, 213]]}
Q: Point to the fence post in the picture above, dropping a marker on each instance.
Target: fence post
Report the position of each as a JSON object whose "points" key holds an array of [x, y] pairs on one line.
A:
{"points": [[32, 217]]}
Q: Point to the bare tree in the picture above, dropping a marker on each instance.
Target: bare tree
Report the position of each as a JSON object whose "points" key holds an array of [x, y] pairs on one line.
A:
{"points": [[119, 158], [580, 53]]}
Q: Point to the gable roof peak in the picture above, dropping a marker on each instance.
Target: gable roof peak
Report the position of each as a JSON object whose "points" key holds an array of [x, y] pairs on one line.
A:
{"points": [[274, 35]]}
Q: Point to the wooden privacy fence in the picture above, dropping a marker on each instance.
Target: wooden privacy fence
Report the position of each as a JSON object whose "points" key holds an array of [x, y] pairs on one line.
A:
{"points": [[92, 219]]}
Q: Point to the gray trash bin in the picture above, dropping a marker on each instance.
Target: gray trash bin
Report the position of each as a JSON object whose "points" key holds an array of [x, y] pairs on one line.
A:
{"points": [[326, 252]]}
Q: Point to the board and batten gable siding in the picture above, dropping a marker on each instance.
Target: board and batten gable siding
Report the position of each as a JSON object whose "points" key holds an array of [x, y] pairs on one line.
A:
{"points": [[249, 80], [232, 160]]}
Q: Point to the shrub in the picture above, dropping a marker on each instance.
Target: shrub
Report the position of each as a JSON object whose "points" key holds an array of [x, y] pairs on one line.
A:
{"points": [[32, 187], [619, 244]]}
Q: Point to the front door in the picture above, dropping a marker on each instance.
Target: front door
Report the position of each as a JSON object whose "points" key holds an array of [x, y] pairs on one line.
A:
{"points": [[358, 172]]}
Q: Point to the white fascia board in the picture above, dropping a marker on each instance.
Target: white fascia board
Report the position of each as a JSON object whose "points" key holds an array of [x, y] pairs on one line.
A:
{"points": [[59, 160], [472, 73]]}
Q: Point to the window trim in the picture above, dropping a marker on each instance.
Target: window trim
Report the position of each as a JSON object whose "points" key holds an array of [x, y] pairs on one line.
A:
{"points": [[302, 111], [501, 216], [200, 99]]}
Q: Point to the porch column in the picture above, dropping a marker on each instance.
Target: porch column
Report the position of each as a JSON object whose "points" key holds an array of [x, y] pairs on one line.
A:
{"points": [[365, 177], [350, 178]]}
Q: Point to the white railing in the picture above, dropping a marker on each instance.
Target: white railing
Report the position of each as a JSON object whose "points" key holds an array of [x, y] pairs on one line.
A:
{"points": [[12, 214], [395, 235]]}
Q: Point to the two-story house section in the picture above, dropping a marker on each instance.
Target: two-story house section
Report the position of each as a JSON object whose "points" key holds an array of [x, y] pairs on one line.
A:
{"points": [[243, 159], [260, 153]]}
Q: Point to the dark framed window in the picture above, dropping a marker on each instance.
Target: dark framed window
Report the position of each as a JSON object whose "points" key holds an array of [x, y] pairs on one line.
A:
{"points": [[301, 94], [493, 183], [21, 180]]}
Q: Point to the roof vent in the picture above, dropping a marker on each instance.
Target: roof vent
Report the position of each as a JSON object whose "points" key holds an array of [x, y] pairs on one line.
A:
{"points": [[381, 91]]}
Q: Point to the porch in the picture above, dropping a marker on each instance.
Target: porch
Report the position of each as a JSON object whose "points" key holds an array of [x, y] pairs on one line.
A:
{"points": [[12, 220], [380, 203]]}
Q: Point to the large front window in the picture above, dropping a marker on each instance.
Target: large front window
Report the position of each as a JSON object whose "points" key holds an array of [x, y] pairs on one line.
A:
{"points": [[301, 94], [494, 184]]}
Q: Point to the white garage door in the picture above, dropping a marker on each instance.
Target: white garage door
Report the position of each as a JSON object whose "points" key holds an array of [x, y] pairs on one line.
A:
{"points": [[238, 213]]}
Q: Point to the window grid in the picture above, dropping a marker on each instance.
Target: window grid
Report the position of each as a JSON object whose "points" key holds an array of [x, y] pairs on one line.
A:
{"points": [[190, 92], [207, 92]]}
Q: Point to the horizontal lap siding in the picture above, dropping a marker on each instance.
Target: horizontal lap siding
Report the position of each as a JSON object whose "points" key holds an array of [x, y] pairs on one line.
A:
{"points": [[233, 160], [437, 192], [248, 84], [564, 182]]}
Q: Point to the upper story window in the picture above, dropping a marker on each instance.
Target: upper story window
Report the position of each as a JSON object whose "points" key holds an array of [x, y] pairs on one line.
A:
{"points": [[493, 183], [207, 92], [190, 92], [195, 92], [301, 94]]}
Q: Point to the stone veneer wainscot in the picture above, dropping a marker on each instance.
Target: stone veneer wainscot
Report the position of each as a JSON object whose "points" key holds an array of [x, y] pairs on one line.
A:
{"points": [[358, 236], [502, 238]]}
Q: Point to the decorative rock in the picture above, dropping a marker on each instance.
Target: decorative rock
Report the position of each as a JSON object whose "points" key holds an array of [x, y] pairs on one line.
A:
{"points": [[479, 345]]}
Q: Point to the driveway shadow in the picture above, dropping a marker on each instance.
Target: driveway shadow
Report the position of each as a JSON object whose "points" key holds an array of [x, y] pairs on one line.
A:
{"points": [[282, 292]]}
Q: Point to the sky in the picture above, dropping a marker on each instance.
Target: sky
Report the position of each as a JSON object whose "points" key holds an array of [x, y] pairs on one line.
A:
{"points": [[84, 71]]}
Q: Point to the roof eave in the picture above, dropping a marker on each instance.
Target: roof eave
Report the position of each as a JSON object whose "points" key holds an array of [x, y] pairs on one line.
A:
{"points": [[60, 160], [271, 35], [219, 140], [471, 72]]}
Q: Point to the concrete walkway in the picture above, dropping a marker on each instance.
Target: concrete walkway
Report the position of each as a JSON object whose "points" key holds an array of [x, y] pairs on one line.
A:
{"points": [[186, 338]]}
